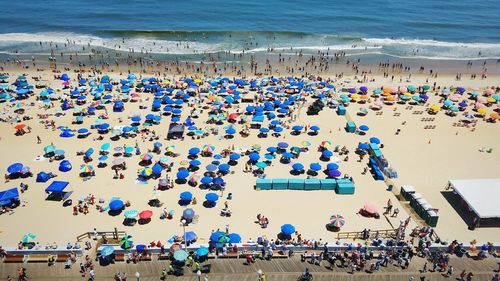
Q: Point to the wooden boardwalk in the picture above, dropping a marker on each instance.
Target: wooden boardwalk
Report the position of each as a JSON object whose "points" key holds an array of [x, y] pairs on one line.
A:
{"points": [[236, 270]]}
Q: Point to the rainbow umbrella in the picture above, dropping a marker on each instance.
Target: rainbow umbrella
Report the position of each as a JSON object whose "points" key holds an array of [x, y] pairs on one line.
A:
{"points": [[146, 157], [86, 168], [145, 172], [305, 143], [208, 148], [326, 143], [337, 220]]}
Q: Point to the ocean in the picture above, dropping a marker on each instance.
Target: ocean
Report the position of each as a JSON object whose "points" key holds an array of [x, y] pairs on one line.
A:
{"points": [[430, 29]]}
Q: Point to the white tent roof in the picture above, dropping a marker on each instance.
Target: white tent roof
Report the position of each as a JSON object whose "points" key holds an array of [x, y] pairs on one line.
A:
{"points": [[482, 195]]}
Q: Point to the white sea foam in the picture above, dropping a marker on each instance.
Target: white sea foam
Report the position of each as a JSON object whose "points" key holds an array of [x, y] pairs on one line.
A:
{"points": [[19, 43]]}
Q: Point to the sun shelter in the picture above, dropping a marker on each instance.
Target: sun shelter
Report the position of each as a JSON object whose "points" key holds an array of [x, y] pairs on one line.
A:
{"points": [[480, 195], [57, 190], [9, 197], [175, 131]]}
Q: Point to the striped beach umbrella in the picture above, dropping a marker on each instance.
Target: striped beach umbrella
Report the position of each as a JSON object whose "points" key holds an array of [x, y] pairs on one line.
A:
{"points": [[337, 220]]}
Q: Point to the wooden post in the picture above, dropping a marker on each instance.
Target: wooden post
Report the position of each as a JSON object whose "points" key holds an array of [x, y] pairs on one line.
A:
{"points": [[116, 233]]}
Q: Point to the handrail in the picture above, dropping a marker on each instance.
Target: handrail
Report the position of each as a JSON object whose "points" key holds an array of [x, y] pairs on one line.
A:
{"points": [[115, 234], [385, 233]]}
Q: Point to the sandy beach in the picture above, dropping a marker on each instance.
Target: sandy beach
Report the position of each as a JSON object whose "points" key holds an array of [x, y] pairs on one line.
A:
{"points": [[423, 158]]}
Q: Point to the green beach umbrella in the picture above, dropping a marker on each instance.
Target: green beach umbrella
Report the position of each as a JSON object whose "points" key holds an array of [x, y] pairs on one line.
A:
{"points": [[126, 243], [28, 238], [426, 87], [224, 238], [411, 88]]}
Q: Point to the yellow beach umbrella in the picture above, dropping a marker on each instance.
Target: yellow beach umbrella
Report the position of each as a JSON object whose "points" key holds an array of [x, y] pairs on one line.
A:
{"points": [[408, 94], [354, 96], [197, 81], [435, 107], [490, 99], [482, 111]]}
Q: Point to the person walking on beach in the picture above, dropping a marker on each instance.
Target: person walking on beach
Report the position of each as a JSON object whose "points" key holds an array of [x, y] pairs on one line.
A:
{"points": [[450, 271], [38, 140], [462, 275], [389, 207]]}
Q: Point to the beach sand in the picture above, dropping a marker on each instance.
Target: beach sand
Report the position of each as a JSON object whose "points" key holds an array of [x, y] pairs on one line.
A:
{"points": [[453, 153]]}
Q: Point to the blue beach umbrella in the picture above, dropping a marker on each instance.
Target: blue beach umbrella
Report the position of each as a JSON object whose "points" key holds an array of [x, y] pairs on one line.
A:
{"points": [[315, 166], [272, 149], [206, 180], [327, 153], [214, 237], [254, 156], [298, 167], [211, 167], [15, 168], [116, 205], [297, 128], [195, 163], [234, 238], [194, 151], [314, 128], [287, 229], [287, 155], [212, 197], [224, 167], [364, 128], [182, 174], [374, 140], [234, 156], [332, 166], [363, 146], [190, 236], [283, 145], [186, 196]]}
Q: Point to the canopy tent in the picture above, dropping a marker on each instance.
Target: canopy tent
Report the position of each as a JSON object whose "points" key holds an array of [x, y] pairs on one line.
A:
{"points": [[57, 190], [480, 194], [175, 131], [9, 196]]}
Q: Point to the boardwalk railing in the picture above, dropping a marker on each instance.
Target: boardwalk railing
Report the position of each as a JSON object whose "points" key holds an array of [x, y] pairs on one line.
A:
{"points": [[386, 233], [115, 234]]}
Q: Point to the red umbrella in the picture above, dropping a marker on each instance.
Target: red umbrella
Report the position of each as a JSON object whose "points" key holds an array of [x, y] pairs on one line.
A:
{"points": [[146, 214], [370, 207], [20, 126], [233, 115]]}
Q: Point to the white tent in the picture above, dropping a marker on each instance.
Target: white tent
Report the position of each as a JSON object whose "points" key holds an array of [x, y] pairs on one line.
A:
{"points": [[482, 195]]}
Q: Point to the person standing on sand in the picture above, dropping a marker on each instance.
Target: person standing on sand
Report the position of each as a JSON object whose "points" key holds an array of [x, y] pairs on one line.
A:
{"points": [[38, 140]]}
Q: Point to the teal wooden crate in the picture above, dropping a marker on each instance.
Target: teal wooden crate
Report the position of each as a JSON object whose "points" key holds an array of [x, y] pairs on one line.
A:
{"points": [[345, 189], [328, 184], [350, 127], [312, 184], [341, 110], [280, 184], [264, 184], [296, 184]]}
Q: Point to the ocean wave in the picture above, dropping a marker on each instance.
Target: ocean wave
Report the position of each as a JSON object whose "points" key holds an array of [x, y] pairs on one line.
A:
{"points": [[428, 42], [27, 43]]}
